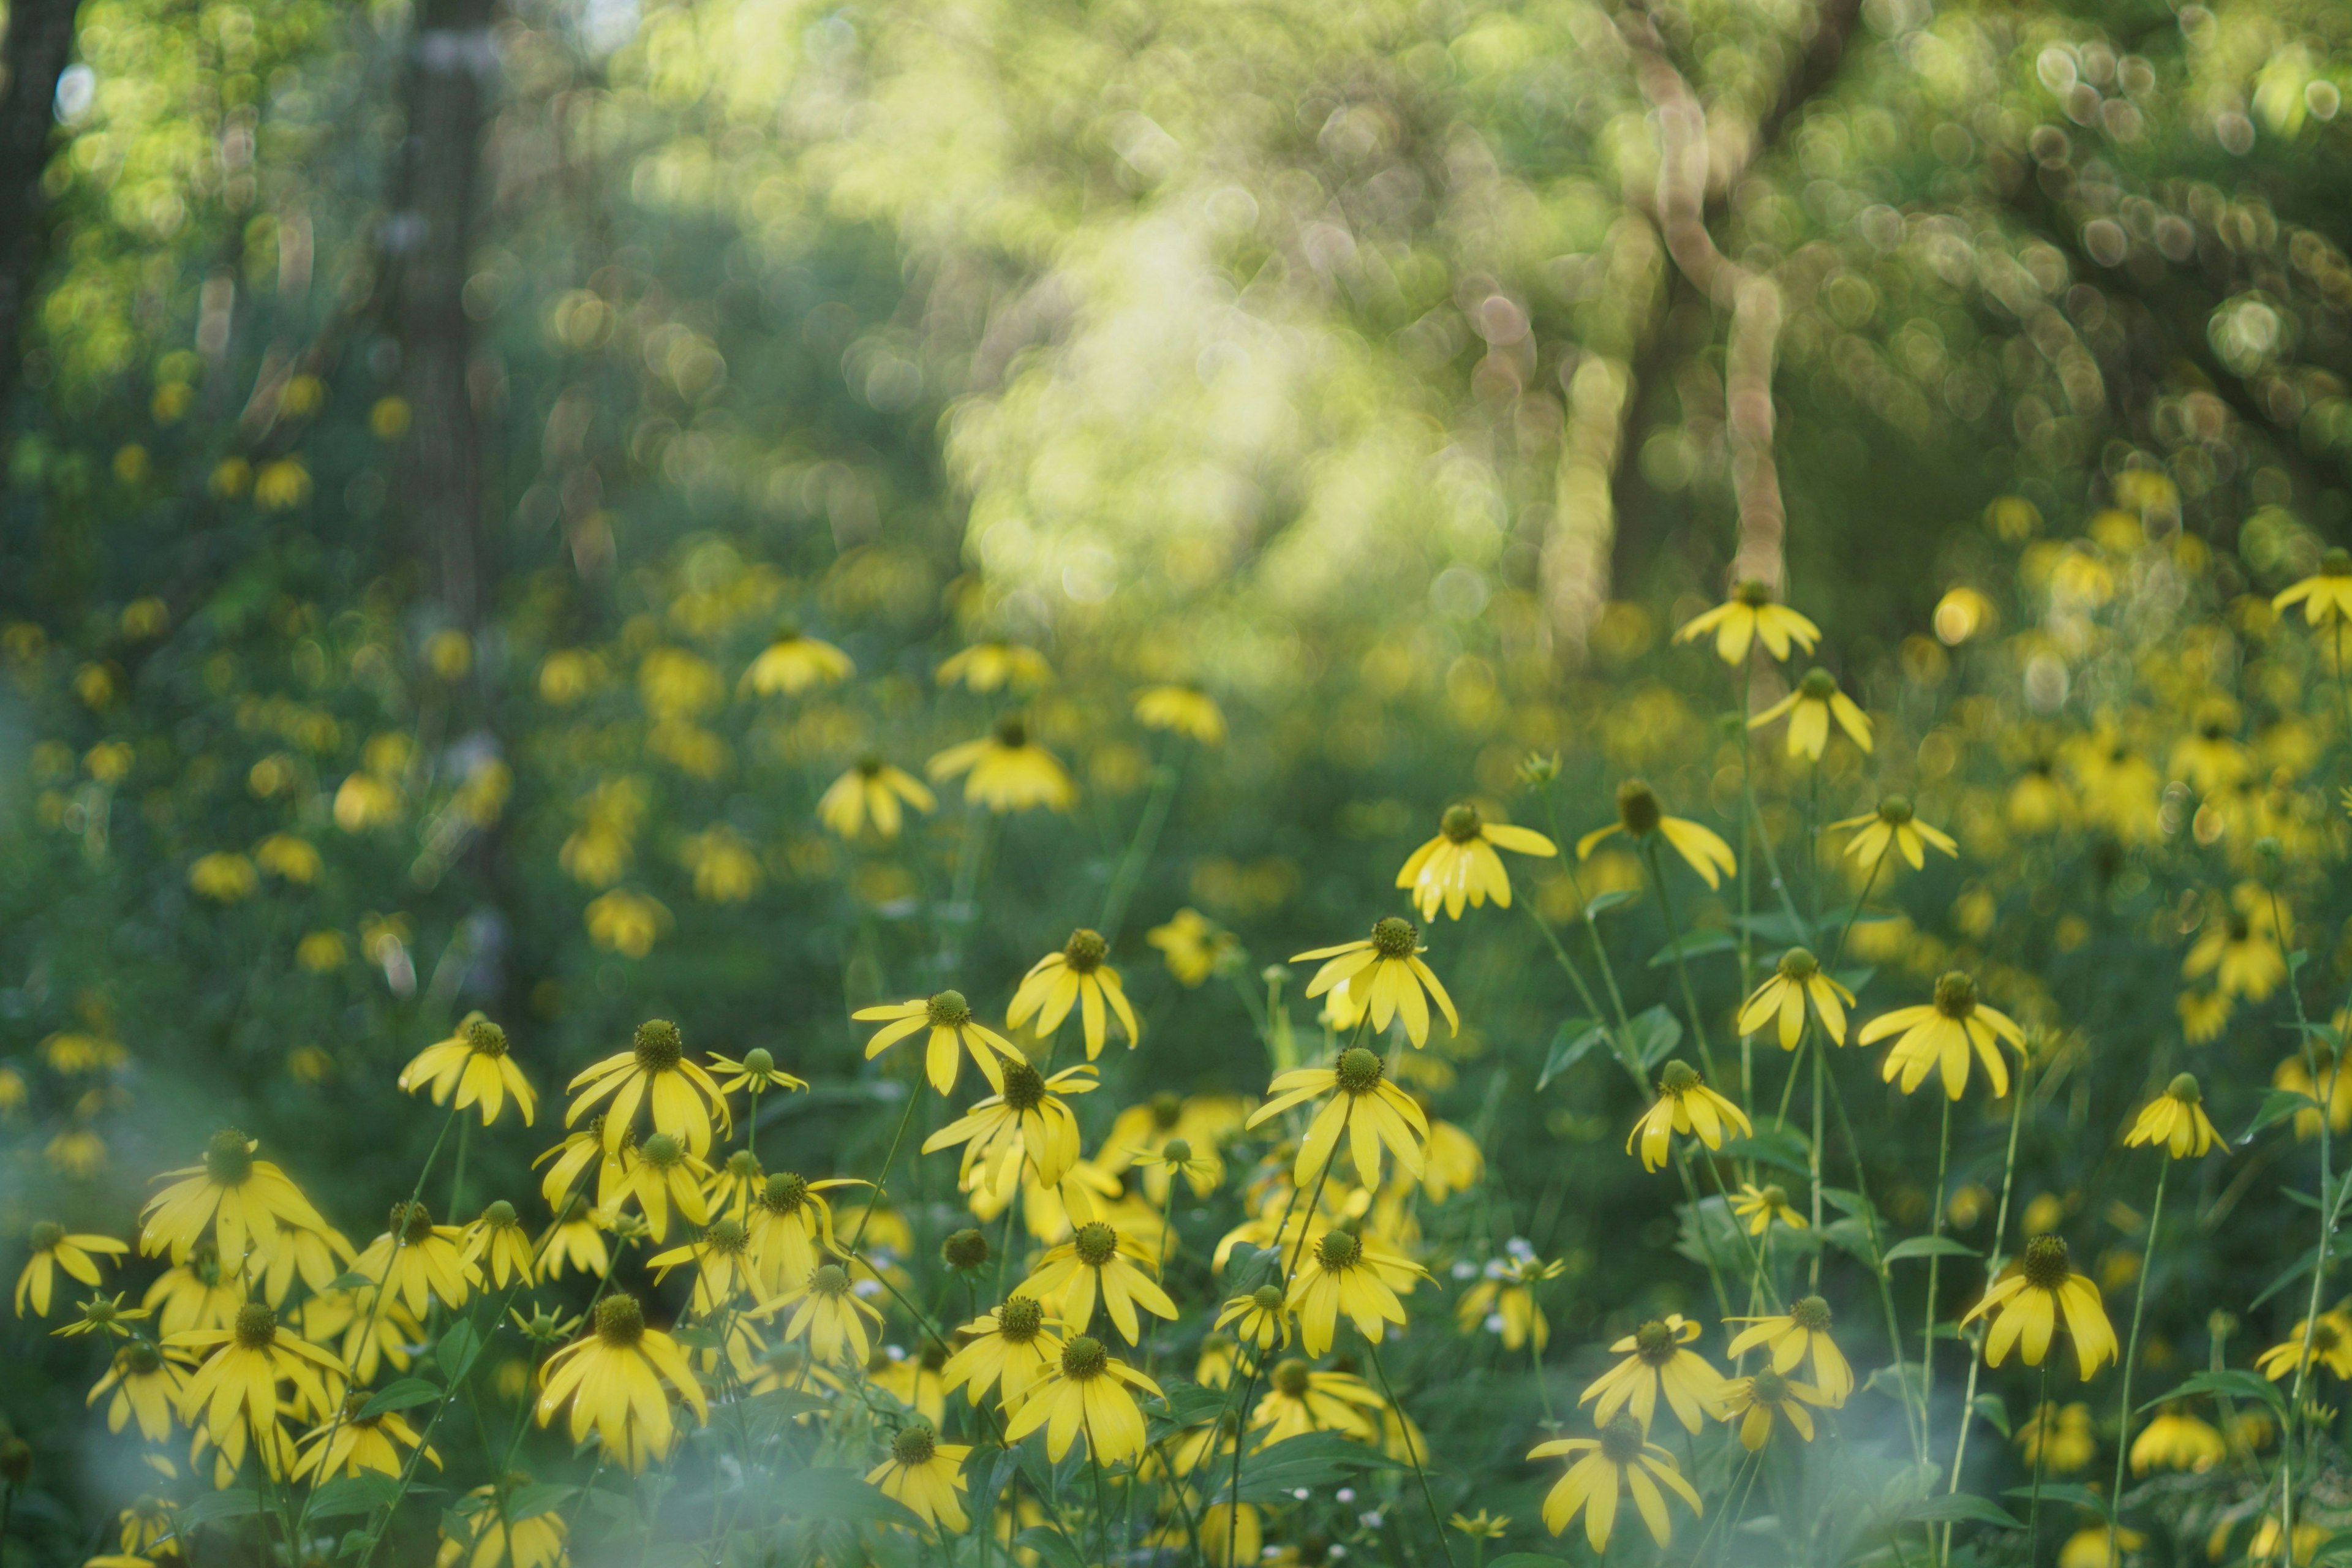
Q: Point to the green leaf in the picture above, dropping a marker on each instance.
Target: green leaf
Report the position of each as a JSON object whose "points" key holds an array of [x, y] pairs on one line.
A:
{"points": [[1656, 1032], [824, 1493], [1853, 1235], [234, 1503], [455, 1350], [541, 1497], [2278, 1104], [1048, 1543], [2227, 1383], [1777, 928], [1188, 1404], [1569, 1045], [2294, 1272], [1316, 1460], [1693, 944], [360, 1495], [1886, 1382], [1928, 1247], [1995, 1413], [1784, 1147], [1853, 980], [1961, 1508], [1601, 903], [2335, 1548], [1524, 1560], [350, 1282], [2064, 1492], [406, 1394]]}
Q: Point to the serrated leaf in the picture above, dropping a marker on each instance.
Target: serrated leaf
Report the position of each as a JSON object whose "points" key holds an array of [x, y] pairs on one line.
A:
{"points": [[1314, 1460], [1928, 1247], [353, 1495], [1656, 1032], [2226, 1383], [454, 1352], [1961, 1508], [1693, 944], [1601, 903], [1188, 1404], [2278, 1104], [1570, 1045], [406, 1394], [237, 1502]]}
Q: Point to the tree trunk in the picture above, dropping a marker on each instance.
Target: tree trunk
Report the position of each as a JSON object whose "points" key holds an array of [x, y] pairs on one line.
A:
{"points": [[33, 55]]}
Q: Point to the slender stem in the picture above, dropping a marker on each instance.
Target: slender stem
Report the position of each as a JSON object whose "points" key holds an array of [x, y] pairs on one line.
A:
{"points": [[1746, 884], [2327, 1217], [1821, 1068], [1619, 1034], [2131, 1353], [1411, 1452], [1138, 849], [1674, 942], [1160, 1257], [1878, 1259], [1698, 1223], [914, 1093], [1934, 1259], [1992, 1269], [2040, 1455]]}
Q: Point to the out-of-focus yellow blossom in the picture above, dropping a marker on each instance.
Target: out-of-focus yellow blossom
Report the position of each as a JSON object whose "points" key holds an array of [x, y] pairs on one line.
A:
{"points": [[626, 922], [1005, 770], [1809, 708], [2264, 1546], [2090, 1548], [388, 418], [230, 477], [725, 870], [795, 663], [1684, 1104], [1939, 1035], [2332, 1087], [567, 675], [2240, 946], [1639, 816], [872, 792], [1503, 1303], [322, 951], [2326, 595], [1183, 710], [986, 666], [282, 485], [1894, 825], [1750, 613], [365, 801], [2210, 756], [2176, 1440], [2330, 1337], [2060, 1438], [222, 876], [1460, 864], [284, 855], [1191, 943], [71, 1051]]}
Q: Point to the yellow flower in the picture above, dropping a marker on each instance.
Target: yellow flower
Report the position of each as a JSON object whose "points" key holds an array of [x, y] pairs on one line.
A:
{"points": [[149, 1526], [925, 1474], [2326, 596], [414, 1259], [1201, 1169], [2331, 1347], [1099, 1259], [725, 870], [662, 1173], [830, 1314], [2240, 946], [146, 1382], [491, 1541], [1767, 1396], [1639, 816], [1075, 975], [193, 1295], [723, 1265], [655, 1070], [281, 485], [1085, 1391], [613, 1378], [2031, 1300], [388, 418], [2177, 1120], [1479, 1526], [474, 1062], [54, 1249], [872, 792], [1008, 771], [322, 951], [1384, 973], [1684, 1104], [1798, 978], [1012, 1349], [2176, 1440], [576, 1238], [756, 1073], [1504, 1301], [1342, 1272], [985, 666], [2090, 1548], [1894, 824], [1747, 614], [221, 876], [1810, 707], [1656, 1363], [912, 1380], [1937, 1035], [1799, 1334], [1191, 945], [795, 663], [363, 801], [1620, 1458], [949, 1019], [1259, 1319], [790, 1220], [1362, 1104], [238, 1196], [351, 1445], [1451, 1161], [104, 1316], [1027, 1119], [1185, 710], [284, 855], [498, 1237], [1760, 1206], [239, 1379], [2264, 1546], [2296, 1073], [1460, 864], [1299, 1401], [626, 922]]}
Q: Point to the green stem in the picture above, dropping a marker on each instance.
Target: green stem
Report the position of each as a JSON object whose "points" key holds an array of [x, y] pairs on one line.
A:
{"points": [[2041, 1453], [1878, 1263], [1935, 1260], [914, 1093], [2131, 1354], [2329, 1214], [1411, 1452], [1619, 1033], [1164, 779], [1675, 941], [1992, 1269]]}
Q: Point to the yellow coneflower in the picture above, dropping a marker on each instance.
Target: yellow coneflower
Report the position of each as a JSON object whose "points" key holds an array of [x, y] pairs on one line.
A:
{"points": [[1342, 1272], [1012, 1349], [239, 1197], [1795, 1336], [1797, 980], [498, 1240], [576, 1239], [1810, 707], [735, 1185], [1639, 816], [1384, 973], [415, 1259], [2176, 1440], [1760, 1206], [1684, 1104], [985, 666], [1747, 614], [1074, 976], [239, 1380], [1893, 824], [54, 1250], [2177, 1120], [1373, 1112], [1300, 1399], [1766, 1398], [316, 1258], [1006, 771], [951, 1023], [723, 1270], [2332, 1089], [1182, 710], [146, 1382], [655, 1070], [756, 1074], [795, 662], [828, 1312], [193, 1294], [2032, 1299], [1460, 865], [1620, 1458], [352, 1445], [925, 1474], [1657, 1362], [1503, 1301], [1201, 1168], [1028, 1120], [1937, 1035], [873, 792], [2062, 1437], [493, 1541], [2242, 946], [1100, 1259], [2330, 1337], [104, 1316], [1191, 945], [583, 1148], [1085, 1392], [2326, 596], [613, 1378], [664, 1175], [1204, 1121], [475, 1064], [1260, 1320], [792, 1226], [148, 1529]]}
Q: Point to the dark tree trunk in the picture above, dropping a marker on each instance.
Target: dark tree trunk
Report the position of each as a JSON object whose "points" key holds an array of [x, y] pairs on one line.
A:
{"points": [[33, 55]]}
